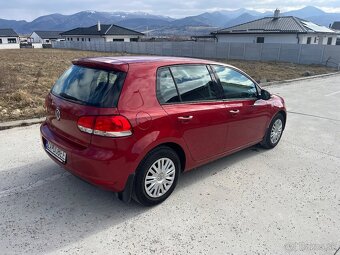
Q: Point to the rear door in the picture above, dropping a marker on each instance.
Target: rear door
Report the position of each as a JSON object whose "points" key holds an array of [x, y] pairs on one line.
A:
{"points": [[193, 101], [248, 115], [81, 91]]}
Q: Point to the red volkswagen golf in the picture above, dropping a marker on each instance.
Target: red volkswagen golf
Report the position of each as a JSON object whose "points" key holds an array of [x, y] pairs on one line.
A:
{"points": [[133, 124]]}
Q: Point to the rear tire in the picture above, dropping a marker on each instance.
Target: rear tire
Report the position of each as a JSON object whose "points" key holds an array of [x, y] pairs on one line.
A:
{"points": [[156, 176], [274, 132]]}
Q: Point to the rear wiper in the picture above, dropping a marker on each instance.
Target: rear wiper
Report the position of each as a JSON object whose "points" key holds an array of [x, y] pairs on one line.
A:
{"points": [[64, 95]]}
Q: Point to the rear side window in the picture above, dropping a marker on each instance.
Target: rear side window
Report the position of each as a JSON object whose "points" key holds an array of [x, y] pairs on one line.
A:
{"points": [[166, 88], [235, 84], [90, 86], [194, 83]]}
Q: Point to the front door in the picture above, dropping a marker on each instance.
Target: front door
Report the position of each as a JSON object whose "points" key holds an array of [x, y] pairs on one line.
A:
{"points": [[248, 115]]}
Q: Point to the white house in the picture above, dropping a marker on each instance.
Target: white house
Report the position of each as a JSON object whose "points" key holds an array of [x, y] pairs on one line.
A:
{"points": [[9, 39], [45, 37], [101, 33], [278, 29]]}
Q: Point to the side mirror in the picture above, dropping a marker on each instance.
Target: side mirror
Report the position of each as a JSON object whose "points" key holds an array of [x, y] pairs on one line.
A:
{"points": [[265, 95]]}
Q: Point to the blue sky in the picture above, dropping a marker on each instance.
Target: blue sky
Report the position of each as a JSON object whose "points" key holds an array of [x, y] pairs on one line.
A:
{"points": [[30, 9]]}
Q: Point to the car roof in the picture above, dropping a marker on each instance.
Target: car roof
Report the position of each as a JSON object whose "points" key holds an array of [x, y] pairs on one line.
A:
{"points": [[131, 60]]}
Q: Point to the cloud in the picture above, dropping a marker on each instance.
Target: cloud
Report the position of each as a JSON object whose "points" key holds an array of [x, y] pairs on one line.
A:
{"points": [[31, 9]]}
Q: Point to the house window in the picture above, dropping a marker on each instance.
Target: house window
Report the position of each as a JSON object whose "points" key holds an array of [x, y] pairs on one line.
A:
{"points": [[134, 40], [315, 39], [71, 39], [82, 39], [78, 39], [309, 40], [89, 39], [259, 39], [0, 41], [12, 40], [329, 41], [118, 40], [47, 41]]}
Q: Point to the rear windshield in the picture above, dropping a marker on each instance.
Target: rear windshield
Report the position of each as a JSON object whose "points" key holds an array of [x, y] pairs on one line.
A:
{"points": [[88, 86]]}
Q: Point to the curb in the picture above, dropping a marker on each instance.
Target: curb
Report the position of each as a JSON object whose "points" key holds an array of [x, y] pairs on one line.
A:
{"points": [[29, 122], [297, 79], [20, 123]]}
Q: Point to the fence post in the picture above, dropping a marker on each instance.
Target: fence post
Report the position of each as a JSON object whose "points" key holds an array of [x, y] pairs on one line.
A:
{"points": [[192, 49], [244, 51], [261, 50], [228, 56], [322, 54], [299, 55], [279, 53]]}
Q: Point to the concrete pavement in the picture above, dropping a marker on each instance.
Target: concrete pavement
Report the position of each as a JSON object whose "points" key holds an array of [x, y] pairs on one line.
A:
{"points": [[280, 201]]}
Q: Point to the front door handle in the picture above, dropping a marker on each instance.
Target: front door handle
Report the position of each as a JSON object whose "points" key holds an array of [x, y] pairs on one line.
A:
{"points": [[234, 111], [185, 118]]}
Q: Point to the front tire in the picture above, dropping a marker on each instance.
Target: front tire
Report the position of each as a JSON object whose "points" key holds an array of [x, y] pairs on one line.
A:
{"points": [[274, 132], [156, 176]]}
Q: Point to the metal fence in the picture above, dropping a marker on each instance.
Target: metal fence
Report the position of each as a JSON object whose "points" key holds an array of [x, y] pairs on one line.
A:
{"points": [[328, 55]]}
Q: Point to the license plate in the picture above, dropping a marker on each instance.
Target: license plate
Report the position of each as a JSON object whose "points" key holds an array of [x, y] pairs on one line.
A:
{"points": [[55, 152]]}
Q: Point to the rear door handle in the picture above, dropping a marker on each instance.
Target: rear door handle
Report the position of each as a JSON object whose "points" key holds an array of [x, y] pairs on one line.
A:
{"points": [[185, 118], [234, 111]]}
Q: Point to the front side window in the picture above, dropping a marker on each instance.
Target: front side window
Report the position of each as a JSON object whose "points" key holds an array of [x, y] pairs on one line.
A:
{"points": [[235, 84], [88, 86], [166, 88], [194, 83]]}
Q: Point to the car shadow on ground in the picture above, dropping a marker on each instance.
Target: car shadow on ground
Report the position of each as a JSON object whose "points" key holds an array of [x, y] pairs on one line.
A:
{"points": [[55, 212]]}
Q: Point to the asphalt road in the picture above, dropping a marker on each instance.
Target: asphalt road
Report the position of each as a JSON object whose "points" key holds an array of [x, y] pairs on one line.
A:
{"points": [[280, 201]]}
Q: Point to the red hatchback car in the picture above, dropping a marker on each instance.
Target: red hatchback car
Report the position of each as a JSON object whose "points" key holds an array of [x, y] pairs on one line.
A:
{"points": [[133, 124]]}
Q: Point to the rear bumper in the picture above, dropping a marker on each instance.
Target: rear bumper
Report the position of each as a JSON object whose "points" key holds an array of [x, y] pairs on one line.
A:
{"points": [[102, 167]]}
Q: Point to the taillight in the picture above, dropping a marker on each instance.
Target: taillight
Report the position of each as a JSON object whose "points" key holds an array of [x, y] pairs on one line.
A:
{"points": [[86, 123], [112, 126]]}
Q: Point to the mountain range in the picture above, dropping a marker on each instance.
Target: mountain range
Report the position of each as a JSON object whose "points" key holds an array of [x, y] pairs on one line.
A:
{"points": [[161, 25]]}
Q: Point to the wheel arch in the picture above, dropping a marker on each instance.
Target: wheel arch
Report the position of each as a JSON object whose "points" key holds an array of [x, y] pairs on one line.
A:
{"points": [[179, 151], [177, 148], [284, 114]]}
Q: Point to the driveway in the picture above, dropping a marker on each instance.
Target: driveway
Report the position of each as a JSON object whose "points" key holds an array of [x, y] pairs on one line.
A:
{"points": [[280, 201]]}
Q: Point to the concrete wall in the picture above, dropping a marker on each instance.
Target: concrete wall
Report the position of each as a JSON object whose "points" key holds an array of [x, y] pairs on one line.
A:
{"points": [[5, 45], [9, 46], [295, 53], [37, 45]]}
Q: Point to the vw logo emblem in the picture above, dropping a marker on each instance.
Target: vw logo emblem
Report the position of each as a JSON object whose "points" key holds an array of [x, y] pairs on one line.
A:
{"points": [[57, 114]]}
